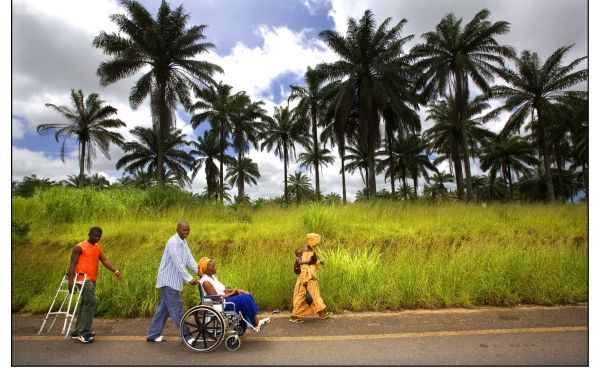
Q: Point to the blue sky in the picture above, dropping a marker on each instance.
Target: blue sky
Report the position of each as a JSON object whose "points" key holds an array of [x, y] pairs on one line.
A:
{"points": [[263, 46]]}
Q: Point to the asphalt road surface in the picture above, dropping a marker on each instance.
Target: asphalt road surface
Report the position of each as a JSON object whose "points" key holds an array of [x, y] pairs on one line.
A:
{"points": [[522, 336]]}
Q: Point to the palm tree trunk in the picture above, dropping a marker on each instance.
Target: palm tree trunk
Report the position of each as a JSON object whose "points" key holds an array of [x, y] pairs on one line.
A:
{"points": [[285, 164], [457, 171], [559, 166], [81, 164], [392, 175], [404, 193], [586, 181], [163, 130], [371, 184], [221, 188], [240, 181], [461, 101], [316, 147], [546, 156], [510, 187], [416, 184], [342, 154]]}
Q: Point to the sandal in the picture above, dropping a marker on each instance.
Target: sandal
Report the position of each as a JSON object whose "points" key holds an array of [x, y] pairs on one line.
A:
{"points": [[325, 316], [296, 320]]}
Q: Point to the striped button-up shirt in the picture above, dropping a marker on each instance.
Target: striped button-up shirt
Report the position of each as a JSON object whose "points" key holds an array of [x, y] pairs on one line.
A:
{"points": [[172, 270]]}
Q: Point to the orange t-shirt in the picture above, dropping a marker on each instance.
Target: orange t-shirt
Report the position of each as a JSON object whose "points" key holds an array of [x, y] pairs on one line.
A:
{"points": [[88, 260]]}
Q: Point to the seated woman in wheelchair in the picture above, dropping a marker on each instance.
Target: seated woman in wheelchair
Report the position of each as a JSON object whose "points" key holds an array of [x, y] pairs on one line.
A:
{"points": [[243, 300]]}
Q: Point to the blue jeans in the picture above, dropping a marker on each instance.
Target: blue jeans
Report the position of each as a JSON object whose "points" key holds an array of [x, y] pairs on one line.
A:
{"points": [[170, 304]]}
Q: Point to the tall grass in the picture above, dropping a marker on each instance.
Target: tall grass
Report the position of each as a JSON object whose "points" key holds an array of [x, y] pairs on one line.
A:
{"points": [[378, 256]]}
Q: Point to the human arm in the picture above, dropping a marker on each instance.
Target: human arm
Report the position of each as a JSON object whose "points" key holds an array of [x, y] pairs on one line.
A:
{"points": [[75, 253], [109, 266]]}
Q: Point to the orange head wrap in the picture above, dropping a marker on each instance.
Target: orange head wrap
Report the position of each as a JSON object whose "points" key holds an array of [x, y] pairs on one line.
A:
{"points": [[202, 264], [313, 239]]}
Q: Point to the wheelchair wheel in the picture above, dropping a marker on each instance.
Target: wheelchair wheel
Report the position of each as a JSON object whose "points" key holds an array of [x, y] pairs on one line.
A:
{"points": [[206, 326], [232, 343], [241, 330]]}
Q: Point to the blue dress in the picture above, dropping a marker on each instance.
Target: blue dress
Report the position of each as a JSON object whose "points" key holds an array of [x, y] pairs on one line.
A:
{"points": [[244, 303]]}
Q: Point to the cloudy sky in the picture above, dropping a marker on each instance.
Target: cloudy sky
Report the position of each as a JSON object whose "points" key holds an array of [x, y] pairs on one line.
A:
{"points": [[263, 47]]}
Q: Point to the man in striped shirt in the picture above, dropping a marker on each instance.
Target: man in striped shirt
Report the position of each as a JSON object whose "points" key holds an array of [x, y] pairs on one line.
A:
{"points": [[171, 274]]}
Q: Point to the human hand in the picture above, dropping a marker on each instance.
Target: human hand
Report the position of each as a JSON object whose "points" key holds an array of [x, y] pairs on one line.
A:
{"points": [[242, 291], [194, 282], [118, 275]]}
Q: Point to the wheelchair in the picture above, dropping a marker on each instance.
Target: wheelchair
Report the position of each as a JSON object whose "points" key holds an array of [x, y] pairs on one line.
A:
{"points": [[209, 324]]}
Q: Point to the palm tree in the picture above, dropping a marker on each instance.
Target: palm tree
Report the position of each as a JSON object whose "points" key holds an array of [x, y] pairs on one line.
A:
{"points": [[315, 156], [206, 150], [247, 124], [300, 186], [488, 188], [450, 56], [98, 181], [76, 181], [531, 90], [512, 155], [310, 105], [167, 53], [534, 187], [409, 157], [245, 170], [337, 126], [27, 186], [89, 123], [332, 199], [281, 132], [218, 106], [445, 138], [139, 179], [436, 188], [403, 123], [142, 154], [572, 117], [358, 158], [370, 74]]}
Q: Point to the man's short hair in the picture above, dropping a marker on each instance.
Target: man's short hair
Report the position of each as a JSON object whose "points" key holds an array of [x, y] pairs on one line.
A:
{"points": [[96, 230]]}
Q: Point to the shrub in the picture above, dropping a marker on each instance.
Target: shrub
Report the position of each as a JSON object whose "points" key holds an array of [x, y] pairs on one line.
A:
{"points": [[19, 228]]}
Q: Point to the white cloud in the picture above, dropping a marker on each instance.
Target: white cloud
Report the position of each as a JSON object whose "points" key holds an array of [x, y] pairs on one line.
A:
{"points": [[26, 162], [314, 5], [18, 128], [282, 51]]}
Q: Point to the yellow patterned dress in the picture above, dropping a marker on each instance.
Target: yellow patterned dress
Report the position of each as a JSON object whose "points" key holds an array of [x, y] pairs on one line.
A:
{"points": [[307, 274]]}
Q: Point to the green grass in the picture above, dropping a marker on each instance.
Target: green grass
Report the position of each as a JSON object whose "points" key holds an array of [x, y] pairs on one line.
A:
{"points": [[379, 255]]}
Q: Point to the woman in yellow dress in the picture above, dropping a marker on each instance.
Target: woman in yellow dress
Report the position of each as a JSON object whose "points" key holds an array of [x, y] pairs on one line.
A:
{"points": [[307, 280]]}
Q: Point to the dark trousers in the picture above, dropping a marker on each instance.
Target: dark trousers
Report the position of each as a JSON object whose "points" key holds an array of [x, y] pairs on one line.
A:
{"points": [[86, 309]]}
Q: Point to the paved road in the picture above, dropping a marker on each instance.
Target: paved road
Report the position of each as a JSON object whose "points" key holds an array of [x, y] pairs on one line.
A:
{"points": [[539, 336]]}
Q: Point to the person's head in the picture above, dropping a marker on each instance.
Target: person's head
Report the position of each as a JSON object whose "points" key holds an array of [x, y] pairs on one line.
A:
{"points": [[313, 239], [183, 229], [206, 266], [94, 235]]}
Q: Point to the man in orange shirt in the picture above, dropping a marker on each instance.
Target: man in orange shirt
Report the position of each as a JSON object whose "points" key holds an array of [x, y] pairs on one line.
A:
{"points": [[84, 260]]}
